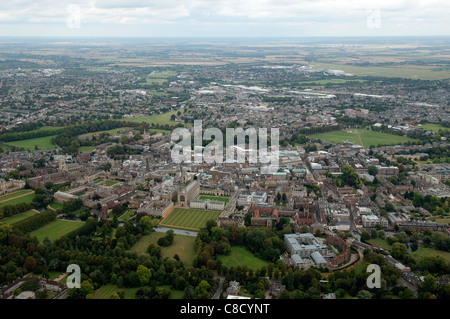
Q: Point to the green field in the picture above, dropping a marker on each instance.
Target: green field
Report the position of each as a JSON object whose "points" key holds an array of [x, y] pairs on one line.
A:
{"points": [[106, 291], [23, 199], [56, 206], [433, 127], [42, 142], [127, 215], [56, 229], [218, 198], [189, 218], [18, 217], [86, 148], [112, 131], [161, 119], [15, 194], [400, 72], [368, 137], [183, 246], [424, 251], [241, 256], [380, 243]]}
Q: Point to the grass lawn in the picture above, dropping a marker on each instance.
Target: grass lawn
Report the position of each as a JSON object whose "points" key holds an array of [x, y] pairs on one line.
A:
{"points": [[127, 215], [16, 218], [425, 251], [106, 291], [22, 199], [380, 243], [433, 127], [15, 194], [110, 183], [402, 72], [218, 198], [193, 219], [241, 256], [112, 131], [42, 142], [86, 148], [162, 119], [440, 220], [183, 246], [56, 206], [368, 137], [56, 229]]}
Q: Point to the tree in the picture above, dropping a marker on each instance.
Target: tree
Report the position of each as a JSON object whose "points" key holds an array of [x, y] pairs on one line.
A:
{"points": [[365, 236], [399, 251], [144, 274], [429, 285], [146, 223], [434, 264], [86, 288], [202, 290], [373, 170], [30, 264], [364, 294]]}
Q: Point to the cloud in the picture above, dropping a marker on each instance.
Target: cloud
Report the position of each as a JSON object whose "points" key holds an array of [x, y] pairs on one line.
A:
{"points": [[432, 15]]}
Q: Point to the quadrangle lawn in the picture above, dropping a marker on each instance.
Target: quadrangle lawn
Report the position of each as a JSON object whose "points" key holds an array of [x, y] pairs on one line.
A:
{"points": [[218, 198], [56, 229], [193, 219]]}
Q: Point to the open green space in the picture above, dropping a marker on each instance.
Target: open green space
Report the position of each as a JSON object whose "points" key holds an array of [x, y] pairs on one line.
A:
{"points": [[380, 243], [56, 206], [241, 256], [106, 291], [127, 215], [30, 144], [189, 218], [183, 246], [15, 194], [433, 127], [440, 220], [161, 119], [112, 131], [218, 198], [368, 137], [425, 251], [86, 148], [23, 199], [410, 72], [56, 229], [17, 218]]}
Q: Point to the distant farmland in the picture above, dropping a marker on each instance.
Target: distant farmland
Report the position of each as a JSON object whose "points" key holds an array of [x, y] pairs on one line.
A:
{"points": [[368, 137]]}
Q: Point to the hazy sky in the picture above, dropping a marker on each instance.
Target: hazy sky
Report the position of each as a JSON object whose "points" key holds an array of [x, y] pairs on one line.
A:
{"points": [[224, 18]]}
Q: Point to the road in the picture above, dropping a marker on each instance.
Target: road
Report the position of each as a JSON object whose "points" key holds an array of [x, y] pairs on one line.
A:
{"points": [[219, 288], [176, 231]]}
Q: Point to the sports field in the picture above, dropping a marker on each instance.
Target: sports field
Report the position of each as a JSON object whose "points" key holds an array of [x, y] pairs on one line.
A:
{"points": [[25, 196], [17, 218], [241, 256], [56, 229], [192, 219], [433, 127], [368, 137]]}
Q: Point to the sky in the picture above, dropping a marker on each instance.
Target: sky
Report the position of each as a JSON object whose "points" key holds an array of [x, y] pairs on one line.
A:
{"points": [[224, 18]]}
